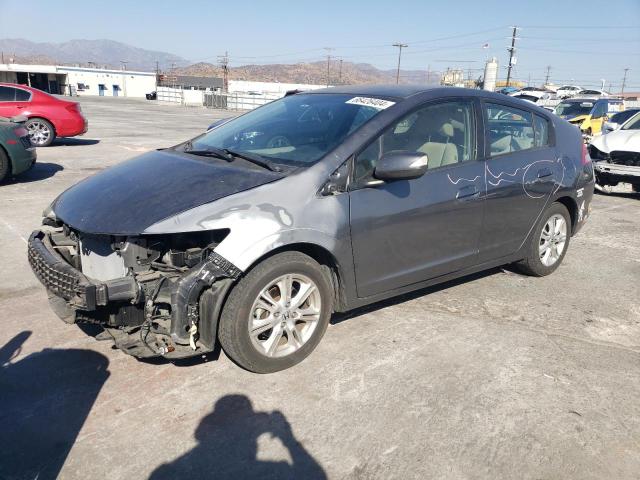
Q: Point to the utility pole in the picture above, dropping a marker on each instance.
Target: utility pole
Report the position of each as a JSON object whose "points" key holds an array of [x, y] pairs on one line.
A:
{"points": [[157, 68], [624, 80], [428, 74], [223, 60], [511, 51], [340, 74], [328, 49], [400, 47], [546, 79]]}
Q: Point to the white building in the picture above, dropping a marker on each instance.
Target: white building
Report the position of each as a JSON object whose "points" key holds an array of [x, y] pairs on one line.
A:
{"points": [[60, 79]]}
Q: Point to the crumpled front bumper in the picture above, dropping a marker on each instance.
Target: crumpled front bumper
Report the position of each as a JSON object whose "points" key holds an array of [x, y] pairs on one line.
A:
{"points": [[67, 282], [122, 306]]}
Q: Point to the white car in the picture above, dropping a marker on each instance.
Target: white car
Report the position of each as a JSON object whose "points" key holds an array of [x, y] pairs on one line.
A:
{"points": [[616, 156], [591, 93], [568, 91], [538, 93], [618, 119]]}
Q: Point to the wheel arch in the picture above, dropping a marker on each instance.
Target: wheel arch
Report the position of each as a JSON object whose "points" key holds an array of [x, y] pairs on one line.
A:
{"points": [[572, 207], [42, 117], [321, 255]]}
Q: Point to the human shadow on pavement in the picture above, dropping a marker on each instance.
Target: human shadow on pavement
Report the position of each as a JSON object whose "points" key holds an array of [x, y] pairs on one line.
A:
{"points": [[227, 447], [45, 398]]}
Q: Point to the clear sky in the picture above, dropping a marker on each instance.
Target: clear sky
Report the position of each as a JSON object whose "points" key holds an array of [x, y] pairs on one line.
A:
{"points": [[583, 41]]}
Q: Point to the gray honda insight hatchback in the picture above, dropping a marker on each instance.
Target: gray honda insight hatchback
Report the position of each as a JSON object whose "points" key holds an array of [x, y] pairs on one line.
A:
{"points": [[254, 233]]}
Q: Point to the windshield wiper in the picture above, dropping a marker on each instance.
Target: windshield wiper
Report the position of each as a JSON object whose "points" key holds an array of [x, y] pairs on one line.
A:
{"points": [[255, 159], [208, 152]]}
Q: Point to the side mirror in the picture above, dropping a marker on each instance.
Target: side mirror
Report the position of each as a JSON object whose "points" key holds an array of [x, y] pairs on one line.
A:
{"points": [[401, 165]]}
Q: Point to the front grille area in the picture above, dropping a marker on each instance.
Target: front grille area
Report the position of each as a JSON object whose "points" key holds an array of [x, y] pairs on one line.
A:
{"points": [[631, 159], [57, 275]]}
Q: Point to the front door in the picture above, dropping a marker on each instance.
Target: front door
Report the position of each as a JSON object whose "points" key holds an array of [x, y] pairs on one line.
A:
{"points": [[407, 231], [521, 172]]}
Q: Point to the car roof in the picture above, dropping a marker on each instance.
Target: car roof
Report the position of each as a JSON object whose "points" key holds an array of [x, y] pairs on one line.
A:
{"points": [[397, 91]]}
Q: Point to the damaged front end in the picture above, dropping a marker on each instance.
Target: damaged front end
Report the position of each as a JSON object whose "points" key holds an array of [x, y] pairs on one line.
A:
{"points": [[155, 295]]}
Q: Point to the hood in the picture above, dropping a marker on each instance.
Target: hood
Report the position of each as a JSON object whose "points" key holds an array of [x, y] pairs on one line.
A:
{"points": [[623, 140], [129, 197], [574, 118]]}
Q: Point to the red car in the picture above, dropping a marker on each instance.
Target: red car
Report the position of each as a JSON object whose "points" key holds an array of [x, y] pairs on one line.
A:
{"points": [[48, 117]]}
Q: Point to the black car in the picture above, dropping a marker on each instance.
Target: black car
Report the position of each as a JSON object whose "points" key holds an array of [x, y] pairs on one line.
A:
{"points": [[253, 234]]}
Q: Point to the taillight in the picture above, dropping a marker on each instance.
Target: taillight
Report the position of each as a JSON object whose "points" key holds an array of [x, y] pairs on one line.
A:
{"points": [[586, 159], [20, 132]]}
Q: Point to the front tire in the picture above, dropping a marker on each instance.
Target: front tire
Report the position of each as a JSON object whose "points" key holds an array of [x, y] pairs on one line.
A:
{"points": [[5, 165], [277, 314], [549, 242], [41, 132]]}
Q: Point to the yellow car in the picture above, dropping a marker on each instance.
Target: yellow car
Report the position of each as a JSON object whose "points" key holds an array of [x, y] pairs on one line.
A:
{"points": [[588, 114]]}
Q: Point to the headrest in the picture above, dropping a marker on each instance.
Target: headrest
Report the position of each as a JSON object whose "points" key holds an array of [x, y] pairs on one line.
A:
{"points": [[446, 129]]}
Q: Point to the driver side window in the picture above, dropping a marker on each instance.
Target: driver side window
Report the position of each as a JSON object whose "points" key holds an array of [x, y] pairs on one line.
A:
{"points": [[444, 131]]}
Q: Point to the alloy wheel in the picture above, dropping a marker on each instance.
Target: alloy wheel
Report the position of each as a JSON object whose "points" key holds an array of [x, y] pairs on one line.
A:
{"points": [[284, 315], [39, 133], [553, 240]]}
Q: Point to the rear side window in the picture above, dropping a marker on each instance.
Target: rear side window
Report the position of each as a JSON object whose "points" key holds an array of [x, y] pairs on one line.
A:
{"points": [[22, 95], [541, 131], [510, 129], [7, 94]]}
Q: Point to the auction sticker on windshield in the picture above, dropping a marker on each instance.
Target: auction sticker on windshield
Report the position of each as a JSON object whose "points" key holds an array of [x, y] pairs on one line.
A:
{"points": [[371, 102]]}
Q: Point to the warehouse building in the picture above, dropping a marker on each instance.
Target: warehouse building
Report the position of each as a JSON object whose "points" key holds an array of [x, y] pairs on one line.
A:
{"points": [[64, 80]]}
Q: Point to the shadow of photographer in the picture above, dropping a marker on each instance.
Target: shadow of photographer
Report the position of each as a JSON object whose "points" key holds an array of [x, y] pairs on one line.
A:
{"points": [[228, 446], [45, 399]]}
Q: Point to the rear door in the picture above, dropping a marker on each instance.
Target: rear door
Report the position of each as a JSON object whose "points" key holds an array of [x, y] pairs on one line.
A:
{"points": [[8, 104], [407, 231], [521, 172]]}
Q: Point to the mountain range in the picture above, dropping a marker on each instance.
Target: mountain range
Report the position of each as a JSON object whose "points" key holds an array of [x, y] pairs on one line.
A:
{"points": [[109, 53]]}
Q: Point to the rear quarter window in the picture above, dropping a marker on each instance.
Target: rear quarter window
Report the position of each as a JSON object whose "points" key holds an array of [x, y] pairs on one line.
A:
{"points": [[22, 95], [540, 131]]}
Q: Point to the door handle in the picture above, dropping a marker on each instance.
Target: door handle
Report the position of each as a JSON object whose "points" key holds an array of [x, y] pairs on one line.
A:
{"points": [[544, 172], [20, 107], [467, 193]]}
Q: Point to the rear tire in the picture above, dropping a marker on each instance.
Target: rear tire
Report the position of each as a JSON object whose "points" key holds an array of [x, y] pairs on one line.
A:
{"points": [[549, 242], [5, 165], [635, 187], [41, 132], [262, 328]]}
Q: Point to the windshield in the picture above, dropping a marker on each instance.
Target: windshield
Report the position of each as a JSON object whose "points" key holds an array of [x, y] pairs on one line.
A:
{"points": [[633, 123], [574, 108], [298, 129]]}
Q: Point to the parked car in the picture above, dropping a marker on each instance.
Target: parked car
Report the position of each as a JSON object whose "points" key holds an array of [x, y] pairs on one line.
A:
{"points": [[254, 233], [538, 93], [567, 91], [617, 119], [17, 154], [152, 95], [48, 117], [616, 156], [507, 90], [588, 114], [592, 94]]}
